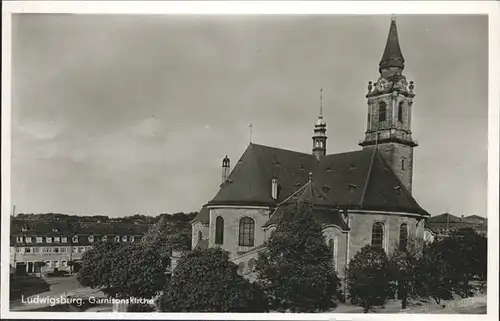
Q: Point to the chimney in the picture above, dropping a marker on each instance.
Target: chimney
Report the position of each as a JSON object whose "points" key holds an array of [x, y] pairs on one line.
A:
{"points": [[226, 164], [274, 188]]}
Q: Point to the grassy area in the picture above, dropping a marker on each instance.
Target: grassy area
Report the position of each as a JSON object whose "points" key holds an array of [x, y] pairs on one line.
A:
{"points": [[27, 286]]}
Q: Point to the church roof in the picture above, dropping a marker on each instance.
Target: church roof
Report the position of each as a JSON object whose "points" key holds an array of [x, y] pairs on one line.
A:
{"points": [[203, 216], [392, 56], [324, 210], [358, 179]]}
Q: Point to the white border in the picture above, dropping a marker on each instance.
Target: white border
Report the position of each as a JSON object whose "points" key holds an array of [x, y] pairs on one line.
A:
{"points": [[259, 7]]}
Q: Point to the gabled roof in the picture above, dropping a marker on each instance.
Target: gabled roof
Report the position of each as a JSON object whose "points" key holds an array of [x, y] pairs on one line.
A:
{"points": [[356, 180], [324, 210], [445, 218]]}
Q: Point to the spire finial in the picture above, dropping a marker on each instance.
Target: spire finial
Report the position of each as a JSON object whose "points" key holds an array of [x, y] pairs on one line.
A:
{"points": [[393, 17], [250, 132], [310, 176], [321, 102]]}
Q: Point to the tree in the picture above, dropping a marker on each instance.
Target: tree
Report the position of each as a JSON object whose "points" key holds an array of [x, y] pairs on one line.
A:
{"points": [[123, 270], [295, 269], [433, 271], [403, 263], [368, 277], [206, 281]]}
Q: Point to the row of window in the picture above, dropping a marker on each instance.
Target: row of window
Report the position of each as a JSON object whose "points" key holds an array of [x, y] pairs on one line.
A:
{"points": [[382, 112], [378, 235], [36, 250], [246, 236], [64, 239], [48, 264]]}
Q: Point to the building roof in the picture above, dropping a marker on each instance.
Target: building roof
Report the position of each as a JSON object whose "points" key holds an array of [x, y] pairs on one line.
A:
{"points": [[75, 228], [445, 218], [203, 216], [392, 56], [324, 210], [355, 180]]}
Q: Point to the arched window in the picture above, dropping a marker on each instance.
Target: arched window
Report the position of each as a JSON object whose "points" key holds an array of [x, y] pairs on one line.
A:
{"points": [[331, 246], [377, 234], [219, 230], [251, 264], [403, 236], [400, 112], [381, 111], [241, 268], [247, 231], [200, 236]]}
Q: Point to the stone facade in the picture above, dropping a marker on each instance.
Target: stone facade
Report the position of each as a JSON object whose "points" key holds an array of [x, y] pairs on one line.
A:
{"points": [[361, 225], [197, 228], [232, 217]]}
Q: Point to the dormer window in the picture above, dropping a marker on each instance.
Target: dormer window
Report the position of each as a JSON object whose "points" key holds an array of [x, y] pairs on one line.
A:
{"points": [[48, 239], [64, 239], [54, 230], [74, 239], [91, 239], [24, 229], [39, 239], [19, 239], [28, 239], [124, 238], [57, 239], [104, 238], [352, 188], [117, 238], [132, 239], [274, 188]]}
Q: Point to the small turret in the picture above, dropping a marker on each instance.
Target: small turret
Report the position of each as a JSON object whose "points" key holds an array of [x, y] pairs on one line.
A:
{"points": [[226, 165]]}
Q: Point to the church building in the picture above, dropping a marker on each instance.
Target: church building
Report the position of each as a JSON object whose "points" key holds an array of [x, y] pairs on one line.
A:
{"points": [[360, 197]]}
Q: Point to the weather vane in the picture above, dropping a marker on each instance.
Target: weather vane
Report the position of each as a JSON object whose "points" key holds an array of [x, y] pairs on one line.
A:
{"points": [[321, 102]]}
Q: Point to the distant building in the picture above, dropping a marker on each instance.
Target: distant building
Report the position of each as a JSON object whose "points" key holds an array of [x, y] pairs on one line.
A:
{"points": [[445, 223], [57, 242], [360, 197]]}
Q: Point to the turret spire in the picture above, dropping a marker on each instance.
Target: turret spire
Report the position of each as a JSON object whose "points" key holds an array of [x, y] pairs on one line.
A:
{"points": [[319, 136], [392, 56]]}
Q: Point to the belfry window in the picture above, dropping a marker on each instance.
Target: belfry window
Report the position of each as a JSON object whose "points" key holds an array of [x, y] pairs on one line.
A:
{"points": [[377, 234], [219, 230], [381, 111], [403, 236], [247, 232], [400, 112]]}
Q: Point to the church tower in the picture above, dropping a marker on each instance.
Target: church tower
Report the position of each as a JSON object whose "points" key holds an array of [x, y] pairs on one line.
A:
{"points": [[390, 101], [319, 136]]}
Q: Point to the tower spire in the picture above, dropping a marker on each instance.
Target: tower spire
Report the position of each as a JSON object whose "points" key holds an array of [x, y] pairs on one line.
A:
{"points": [[392, 56], [319, 137]]}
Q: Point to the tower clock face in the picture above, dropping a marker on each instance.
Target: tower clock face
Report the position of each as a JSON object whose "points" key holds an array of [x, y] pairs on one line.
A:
{"points": [[383, 84]]}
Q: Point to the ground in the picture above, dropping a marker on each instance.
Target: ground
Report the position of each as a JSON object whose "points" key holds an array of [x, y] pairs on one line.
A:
{"points": [[59, 286]]}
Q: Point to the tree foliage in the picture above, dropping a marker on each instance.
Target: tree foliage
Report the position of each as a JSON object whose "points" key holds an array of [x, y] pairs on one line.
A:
{"points": [[368, 277], [404, 263], [448, 265], [206, 281], [123, 270], [295, 269]]}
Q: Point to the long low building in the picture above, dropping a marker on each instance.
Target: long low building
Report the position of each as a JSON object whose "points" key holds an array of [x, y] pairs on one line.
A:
{"points": [[58, 242]]}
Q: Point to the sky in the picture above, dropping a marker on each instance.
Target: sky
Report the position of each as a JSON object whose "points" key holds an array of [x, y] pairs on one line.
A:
{"points": [[126, 114]]}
